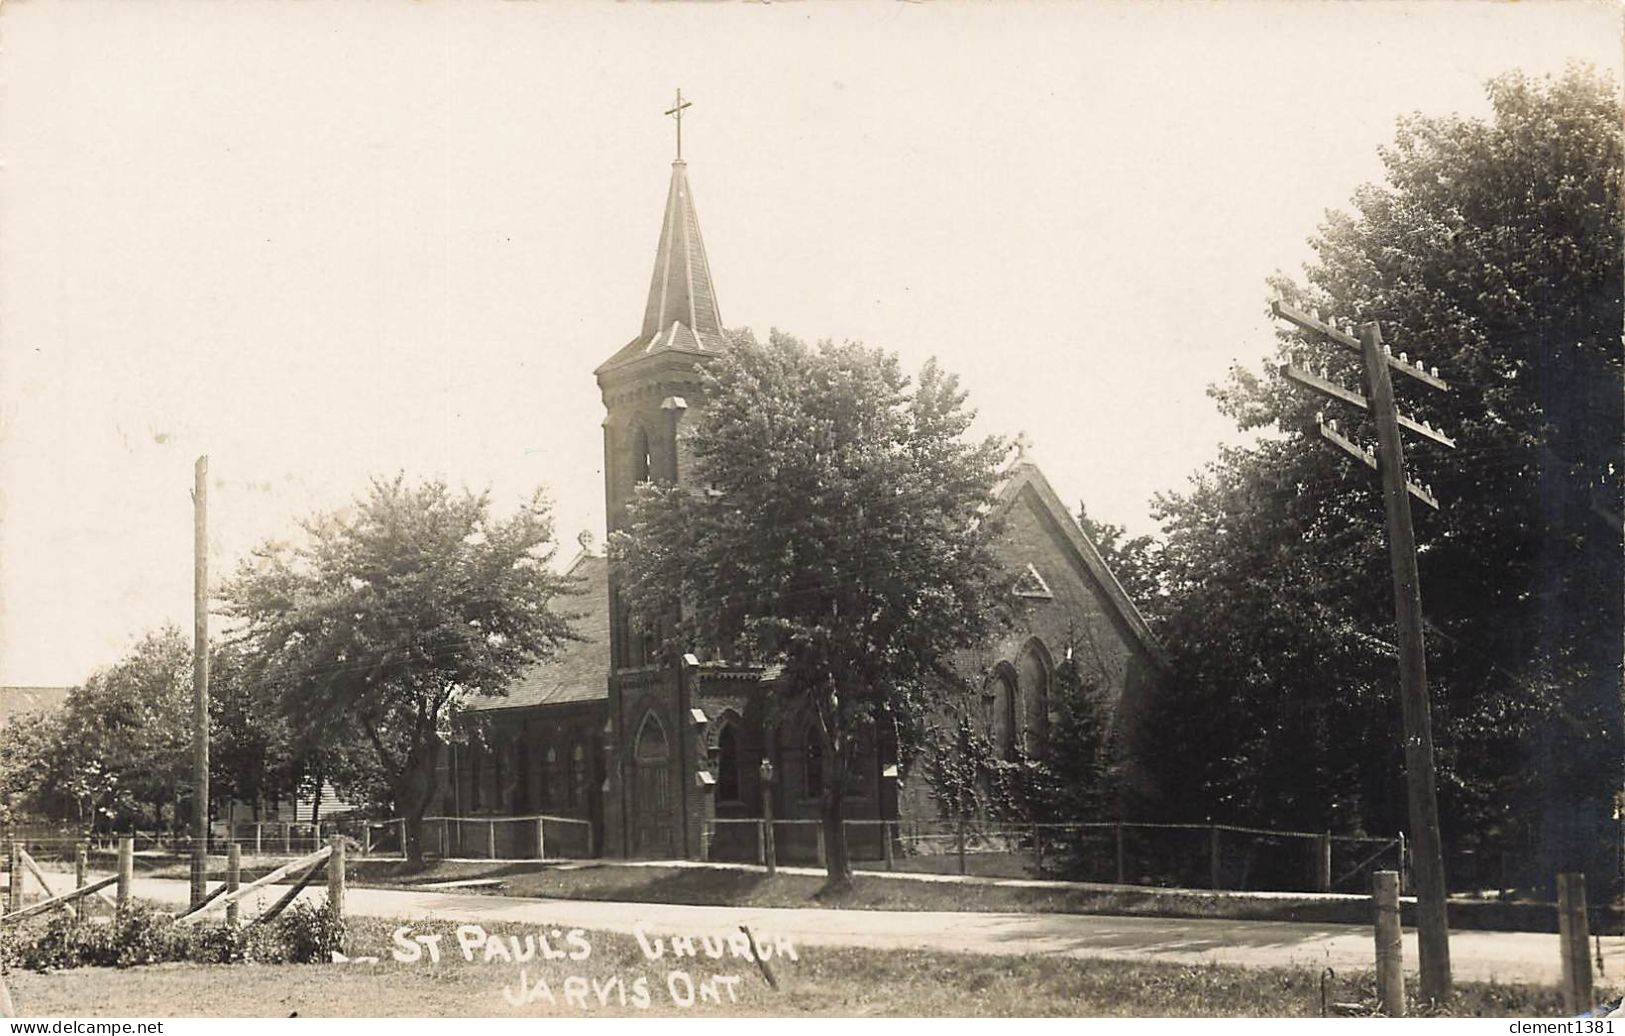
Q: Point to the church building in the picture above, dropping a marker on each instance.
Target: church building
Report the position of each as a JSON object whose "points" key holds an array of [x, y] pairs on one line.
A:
{"points": [[663, 759]]}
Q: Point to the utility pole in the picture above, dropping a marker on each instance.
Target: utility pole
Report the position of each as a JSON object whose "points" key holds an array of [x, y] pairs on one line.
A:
{"points": [[1389, 462], [200, 682]]}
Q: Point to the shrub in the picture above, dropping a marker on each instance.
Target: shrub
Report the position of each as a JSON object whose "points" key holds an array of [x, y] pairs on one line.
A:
{"points": [[301, 935], [310, 934]]}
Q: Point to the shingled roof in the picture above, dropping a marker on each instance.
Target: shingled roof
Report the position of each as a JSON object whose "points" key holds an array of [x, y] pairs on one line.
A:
{"points": [[681, 314], [579, 671]]}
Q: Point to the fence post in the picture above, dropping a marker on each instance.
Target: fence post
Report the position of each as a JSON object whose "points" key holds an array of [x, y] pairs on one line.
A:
{"points": [[234, 877], [1214, 870], [491, 839], [541, 838], [959, 842], [1323, 862], [79, 863], [886, 829], [1390, 960], [1038, 848], [819, 831], [772, 848], [126, 873], [14, 892], [1122, 872], [287, 837], [1401, 863], [366, 838], [445, 838], [761, 842], [259, 838], [1572, 936], [335, 876]]}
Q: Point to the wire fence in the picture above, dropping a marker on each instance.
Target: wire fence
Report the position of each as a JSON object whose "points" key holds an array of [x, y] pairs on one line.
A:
{"points": [[534, 837], [1209, 856]]}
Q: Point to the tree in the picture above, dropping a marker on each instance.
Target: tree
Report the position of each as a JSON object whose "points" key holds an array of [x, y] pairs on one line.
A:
{"points": [[1131, 559], [126, 737], [252, 757], [842, 537], [1493, 251], [379, 626], [29, 776]]}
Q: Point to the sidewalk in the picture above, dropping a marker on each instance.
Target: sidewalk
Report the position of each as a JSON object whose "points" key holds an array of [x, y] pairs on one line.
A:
{"points": [[1475, 956]]}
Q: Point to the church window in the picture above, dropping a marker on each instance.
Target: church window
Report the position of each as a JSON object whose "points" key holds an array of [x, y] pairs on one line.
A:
{"points": [[548, 764], [580, 774], [521, 777], [642, 460], [570, 764], [812, 762], [1031, 584], [1035, 680], [1006, 709], [727, 765], [498, 778]]}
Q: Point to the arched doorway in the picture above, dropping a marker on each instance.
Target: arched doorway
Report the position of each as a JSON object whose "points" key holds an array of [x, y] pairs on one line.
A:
{"points": [[651, 791]]}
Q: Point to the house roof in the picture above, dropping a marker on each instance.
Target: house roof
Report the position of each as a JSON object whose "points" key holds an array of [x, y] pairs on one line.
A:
{"points": [[15, 701], [579, 670], [1024, 476], [681, 315]]}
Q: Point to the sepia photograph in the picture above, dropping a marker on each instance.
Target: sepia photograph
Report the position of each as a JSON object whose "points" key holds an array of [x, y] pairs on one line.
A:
{"points": [[717, 510]]}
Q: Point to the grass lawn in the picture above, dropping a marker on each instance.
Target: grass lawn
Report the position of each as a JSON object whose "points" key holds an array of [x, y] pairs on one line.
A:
{"points": [[824, 981]]}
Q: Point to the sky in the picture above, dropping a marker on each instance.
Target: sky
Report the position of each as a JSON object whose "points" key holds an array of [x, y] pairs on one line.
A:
{"points": [[322, 242]]}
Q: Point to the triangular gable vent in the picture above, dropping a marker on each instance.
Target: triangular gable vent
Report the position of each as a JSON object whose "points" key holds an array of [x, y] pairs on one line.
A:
{"points": [[1031, 584]]}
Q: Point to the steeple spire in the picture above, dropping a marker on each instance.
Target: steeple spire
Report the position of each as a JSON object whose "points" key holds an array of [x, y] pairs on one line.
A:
{"points": [[681, 314]]}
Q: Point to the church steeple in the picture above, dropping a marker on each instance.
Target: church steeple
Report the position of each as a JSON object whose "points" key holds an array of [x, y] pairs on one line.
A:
{"points": [[681, 314]]}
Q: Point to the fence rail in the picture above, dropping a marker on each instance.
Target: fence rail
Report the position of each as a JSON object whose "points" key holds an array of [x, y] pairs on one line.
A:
{"points": [[1217, 856]]}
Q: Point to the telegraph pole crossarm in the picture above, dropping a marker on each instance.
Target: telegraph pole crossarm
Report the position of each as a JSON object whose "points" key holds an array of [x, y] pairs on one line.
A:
{"points": [[1313, 323], [1333, 435], [1388, 461]]}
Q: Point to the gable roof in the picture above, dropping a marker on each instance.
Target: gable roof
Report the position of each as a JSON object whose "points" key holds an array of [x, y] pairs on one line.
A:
{"points": [[1022, 477], [681, 314], [579, 670]]}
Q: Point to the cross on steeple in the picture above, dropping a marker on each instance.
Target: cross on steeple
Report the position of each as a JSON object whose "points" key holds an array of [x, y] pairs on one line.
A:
{"points": [[676, 112], [1022, 444]]}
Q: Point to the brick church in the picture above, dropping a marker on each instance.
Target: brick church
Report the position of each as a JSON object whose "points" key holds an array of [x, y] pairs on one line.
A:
{"points": [[660, 757]]}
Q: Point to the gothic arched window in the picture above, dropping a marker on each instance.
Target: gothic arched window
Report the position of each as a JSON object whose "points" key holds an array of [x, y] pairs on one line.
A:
{"points": [[1005, 706], [551, 761], [570, 779], [1035, 683], [642, 459], [727, 765], [580, 774]]}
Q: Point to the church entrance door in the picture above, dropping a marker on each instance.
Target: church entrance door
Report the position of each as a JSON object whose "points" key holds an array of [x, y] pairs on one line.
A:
{"points": [[651, 792]]}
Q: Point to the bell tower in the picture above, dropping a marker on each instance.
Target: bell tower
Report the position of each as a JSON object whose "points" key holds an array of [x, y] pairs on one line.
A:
{"points": [[650, 387]]}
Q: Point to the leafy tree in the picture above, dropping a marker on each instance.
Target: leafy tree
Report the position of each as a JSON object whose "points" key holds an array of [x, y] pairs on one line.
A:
{"points": [[29, 777], [1494, 251], [1131, 559], [125, 738], [252, 757], [842, 538], [386, 618]]}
